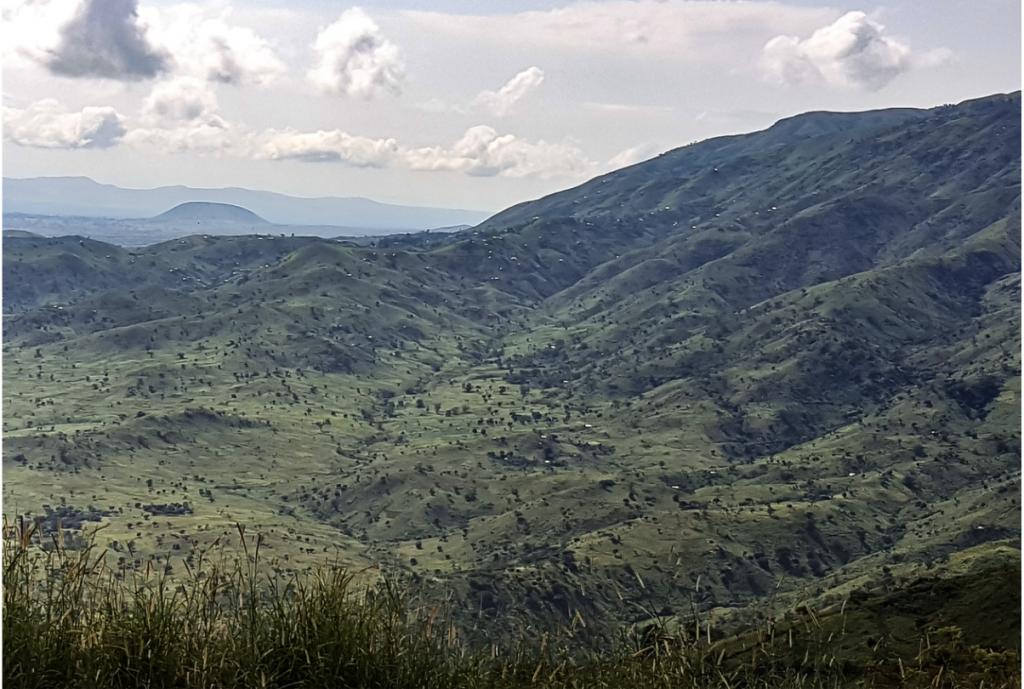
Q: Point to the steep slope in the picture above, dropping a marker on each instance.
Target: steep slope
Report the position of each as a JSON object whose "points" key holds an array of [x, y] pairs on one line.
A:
{"points": [[705, 176]]}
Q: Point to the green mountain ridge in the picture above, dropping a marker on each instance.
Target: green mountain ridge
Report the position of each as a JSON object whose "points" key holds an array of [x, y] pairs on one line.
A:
{"points": [[782, 362]]}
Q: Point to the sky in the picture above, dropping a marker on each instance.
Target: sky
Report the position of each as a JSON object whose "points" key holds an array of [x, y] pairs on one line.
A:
{"points": [[452, 103]]}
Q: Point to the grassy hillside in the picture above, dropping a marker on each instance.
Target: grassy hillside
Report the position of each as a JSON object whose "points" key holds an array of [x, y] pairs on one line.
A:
{"points": [[785, 364], [73, 620]]}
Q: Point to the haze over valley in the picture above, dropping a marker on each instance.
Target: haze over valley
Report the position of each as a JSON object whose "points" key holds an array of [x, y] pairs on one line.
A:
{"points": [[134, 217]]}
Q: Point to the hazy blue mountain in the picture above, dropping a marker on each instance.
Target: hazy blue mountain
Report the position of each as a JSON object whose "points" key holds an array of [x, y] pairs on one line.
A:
{"points": [[81, 196], [202, 211]]}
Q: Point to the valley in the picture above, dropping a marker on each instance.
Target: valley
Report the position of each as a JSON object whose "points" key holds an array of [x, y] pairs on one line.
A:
{"points": [[783, 365]]}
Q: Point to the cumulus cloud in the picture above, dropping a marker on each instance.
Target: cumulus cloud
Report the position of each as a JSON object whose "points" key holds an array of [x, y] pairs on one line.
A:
{"points": [[206, 46], [105, 39], [482, 152], [497, 103], [115, 39], [182, 114], [202, 137], [354, 58], [501, 102], [48, 124], [852, 52], [329, 146], [184, 99], [32, 29]]}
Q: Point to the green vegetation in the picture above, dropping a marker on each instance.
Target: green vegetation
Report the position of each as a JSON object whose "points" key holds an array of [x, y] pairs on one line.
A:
{"points": [[783, 366], [71, 620]]}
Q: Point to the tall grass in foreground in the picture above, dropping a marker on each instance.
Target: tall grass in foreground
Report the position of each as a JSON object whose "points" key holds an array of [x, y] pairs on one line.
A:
{"points": [[72, 620]]}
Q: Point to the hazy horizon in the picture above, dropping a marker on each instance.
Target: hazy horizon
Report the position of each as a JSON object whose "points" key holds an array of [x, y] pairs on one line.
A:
{"points": [[455, 105], [129, 187]]}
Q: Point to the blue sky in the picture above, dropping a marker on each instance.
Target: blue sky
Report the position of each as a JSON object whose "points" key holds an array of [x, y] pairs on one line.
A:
{"points": [[456, 104]]}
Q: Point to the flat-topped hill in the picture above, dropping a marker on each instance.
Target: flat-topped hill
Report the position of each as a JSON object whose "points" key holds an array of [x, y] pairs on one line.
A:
{"points": [[20, 234], [204, 211]]}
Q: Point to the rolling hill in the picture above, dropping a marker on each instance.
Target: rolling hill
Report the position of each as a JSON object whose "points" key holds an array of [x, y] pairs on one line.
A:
{"points": [[782, 364]]}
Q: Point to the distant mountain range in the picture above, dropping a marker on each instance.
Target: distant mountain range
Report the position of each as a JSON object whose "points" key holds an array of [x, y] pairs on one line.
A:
{"points": [[82, 197]]}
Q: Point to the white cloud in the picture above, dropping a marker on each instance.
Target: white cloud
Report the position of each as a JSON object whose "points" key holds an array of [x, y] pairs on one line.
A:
{"points": [[497, 103], [852, 52], [206, 46], [185, 99], [482, 152], [332, 146], [103, 39], [633, 155], [115, 39], [182, 115], [354, 58], [501, 102], [48, 124], [214, 136], [32, 29]]}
